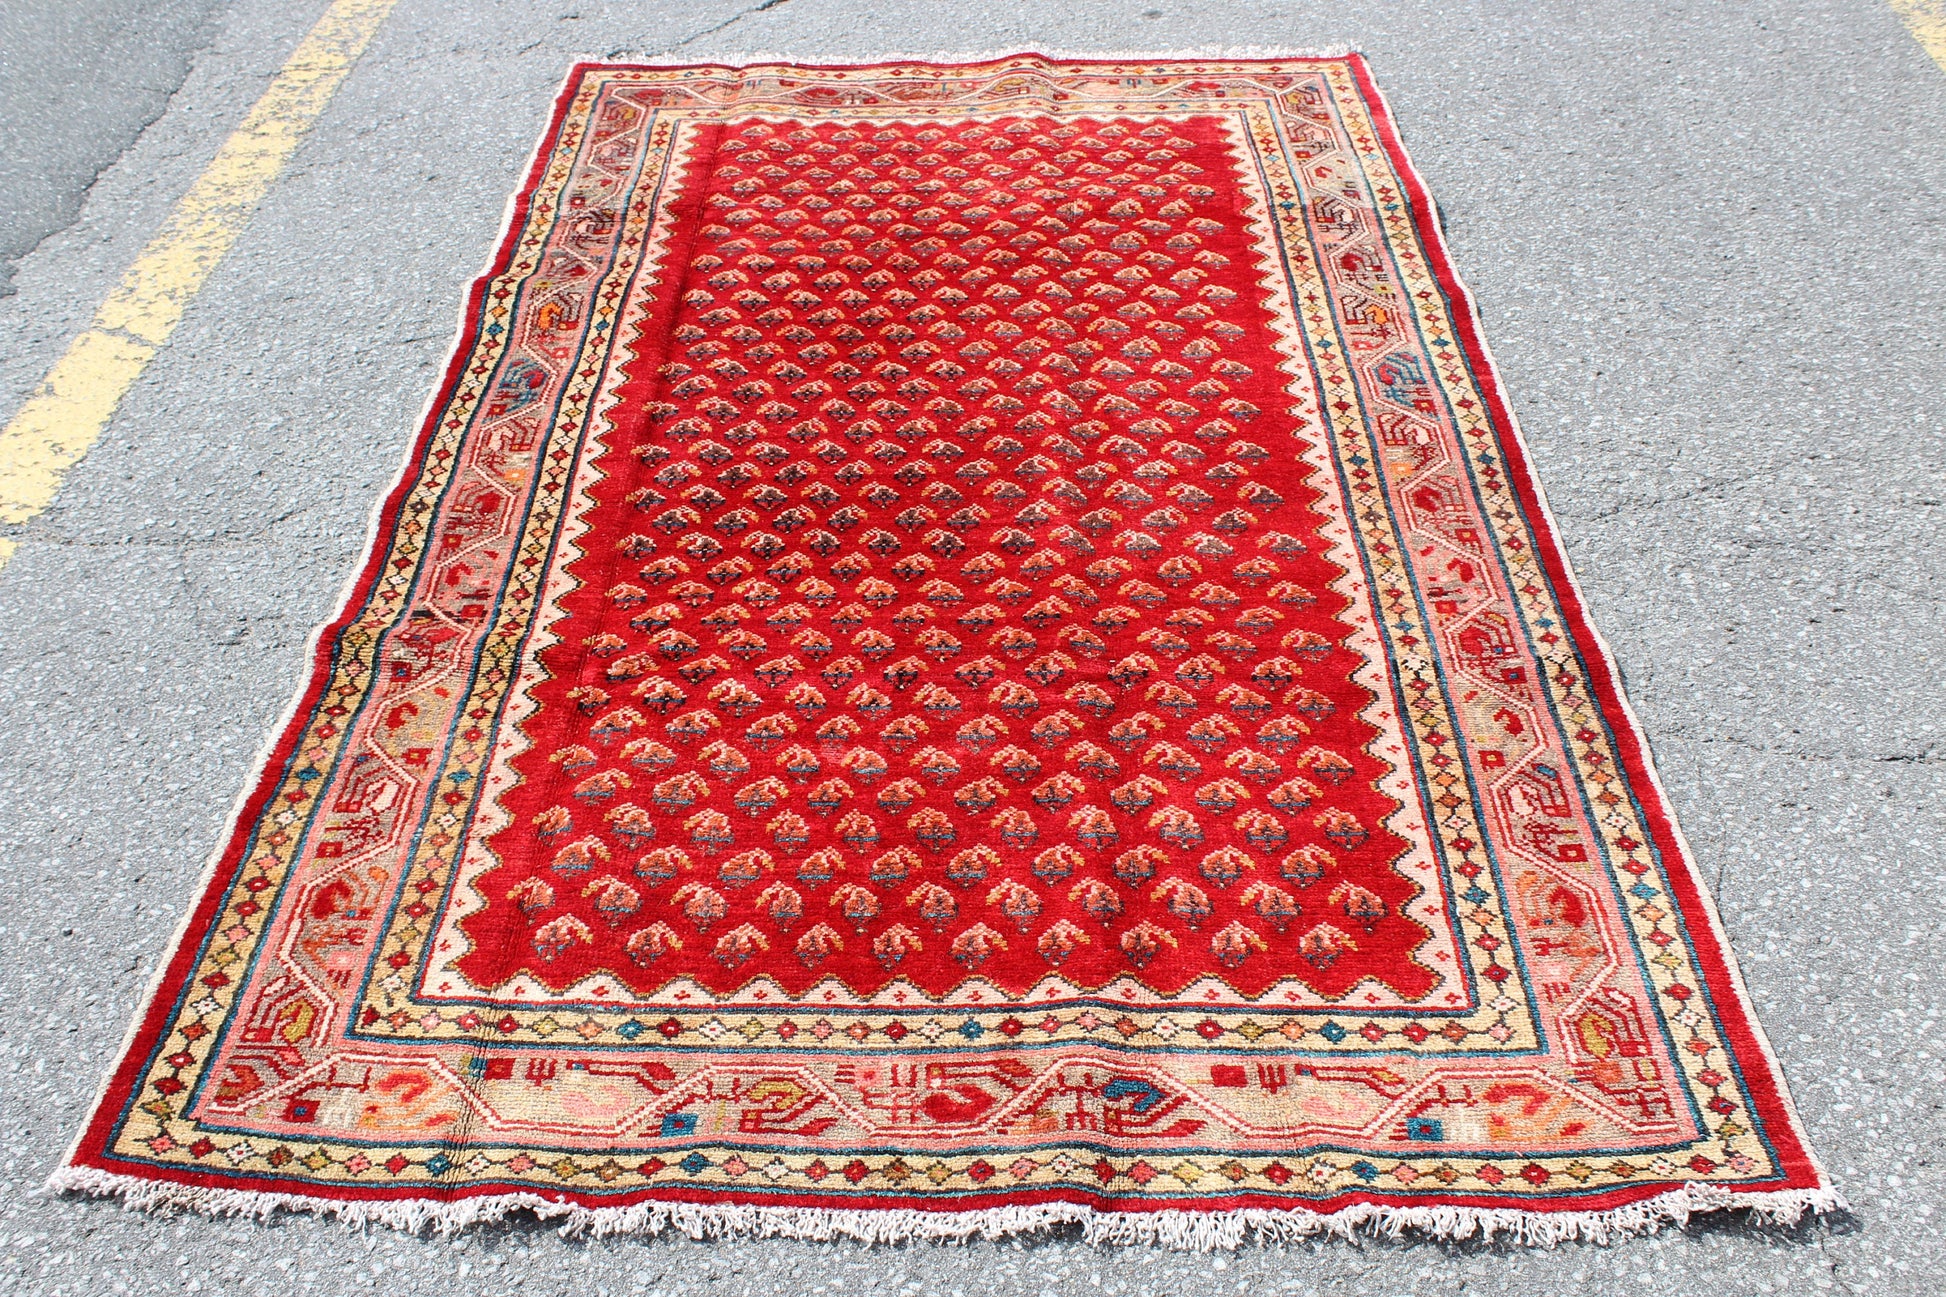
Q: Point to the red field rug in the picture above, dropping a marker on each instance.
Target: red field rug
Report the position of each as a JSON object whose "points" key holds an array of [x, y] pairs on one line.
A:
{"points": [[963, 647]]}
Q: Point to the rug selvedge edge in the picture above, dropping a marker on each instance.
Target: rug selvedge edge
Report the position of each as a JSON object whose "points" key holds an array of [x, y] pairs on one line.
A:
{"points": [[180, 956], [1721, 971]]}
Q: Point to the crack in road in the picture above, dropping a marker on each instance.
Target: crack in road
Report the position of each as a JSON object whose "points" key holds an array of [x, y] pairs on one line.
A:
{"points": [[1923, 756], [1660, 499], [73, 206], [691, 39]]}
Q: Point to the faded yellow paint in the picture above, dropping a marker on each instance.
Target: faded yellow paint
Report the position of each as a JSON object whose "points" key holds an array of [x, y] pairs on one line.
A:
{"points": [[64, 417], [1926, 19], [61, 420]]}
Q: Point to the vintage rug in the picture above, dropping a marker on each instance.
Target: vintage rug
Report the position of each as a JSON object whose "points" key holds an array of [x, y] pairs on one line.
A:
{"points": [[964, 646]]}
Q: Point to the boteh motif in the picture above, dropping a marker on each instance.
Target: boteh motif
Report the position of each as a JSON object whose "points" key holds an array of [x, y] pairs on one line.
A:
{"points": [[961, 637]]}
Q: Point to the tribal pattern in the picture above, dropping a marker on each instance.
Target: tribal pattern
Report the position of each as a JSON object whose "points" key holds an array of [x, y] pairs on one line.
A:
{"points": [[961, 637]]}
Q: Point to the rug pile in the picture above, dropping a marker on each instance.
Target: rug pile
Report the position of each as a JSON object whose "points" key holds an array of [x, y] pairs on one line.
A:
{"points": [[963, 647]]}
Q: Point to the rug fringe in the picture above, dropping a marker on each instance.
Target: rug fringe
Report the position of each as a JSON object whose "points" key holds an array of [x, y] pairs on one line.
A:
{"points": [[1188, 1231], [757, 58]]}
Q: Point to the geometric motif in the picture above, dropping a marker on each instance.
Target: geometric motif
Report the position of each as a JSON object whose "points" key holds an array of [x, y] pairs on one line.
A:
{"points": [[966, 639]]}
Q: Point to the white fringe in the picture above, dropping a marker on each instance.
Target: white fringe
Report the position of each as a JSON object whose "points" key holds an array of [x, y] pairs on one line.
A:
{"points": [[961, 58], [1189, 1231]]}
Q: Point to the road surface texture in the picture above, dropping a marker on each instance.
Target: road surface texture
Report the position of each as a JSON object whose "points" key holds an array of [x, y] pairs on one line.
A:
{"points": [[58, 129], [1709, 241]]}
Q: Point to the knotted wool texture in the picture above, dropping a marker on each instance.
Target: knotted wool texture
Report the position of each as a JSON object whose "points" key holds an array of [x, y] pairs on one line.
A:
{"points": [[963, 646]]}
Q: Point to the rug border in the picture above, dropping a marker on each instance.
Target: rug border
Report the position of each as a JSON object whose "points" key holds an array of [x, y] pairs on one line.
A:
{"points": [[282, 736], [1227, 1221], [1716, 957]]}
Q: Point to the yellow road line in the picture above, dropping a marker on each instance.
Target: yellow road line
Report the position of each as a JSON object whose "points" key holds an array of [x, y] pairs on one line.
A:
{"points": [[1926, 19], [66, 414]]}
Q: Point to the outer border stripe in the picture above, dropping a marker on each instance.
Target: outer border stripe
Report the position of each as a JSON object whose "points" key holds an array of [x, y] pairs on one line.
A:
{"points": [[65, 416]]}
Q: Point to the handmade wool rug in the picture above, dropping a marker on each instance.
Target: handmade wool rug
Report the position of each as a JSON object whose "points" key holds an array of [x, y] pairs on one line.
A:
{"points": [[964, 646]]}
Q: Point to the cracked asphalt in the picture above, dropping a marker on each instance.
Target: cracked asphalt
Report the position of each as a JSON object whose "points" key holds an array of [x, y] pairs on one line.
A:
{"points": [[1709, 242], [57, 131]]}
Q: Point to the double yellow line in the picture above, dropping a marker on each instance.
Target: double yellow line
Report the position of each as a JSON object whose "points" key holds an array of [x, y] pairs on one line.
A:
{"points": [[66, 414]]}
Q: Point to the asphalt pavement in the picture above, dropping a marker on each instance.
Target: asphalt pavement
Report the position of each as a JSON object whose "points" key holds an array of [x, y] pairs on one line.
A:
{"points": [[1709, 243], [79, 83]]}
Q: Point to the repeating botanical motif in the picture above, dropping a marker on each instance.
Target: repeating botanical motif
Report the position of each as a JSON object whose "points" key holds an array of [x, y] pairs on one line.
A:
{"points": [[960, 637]]}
